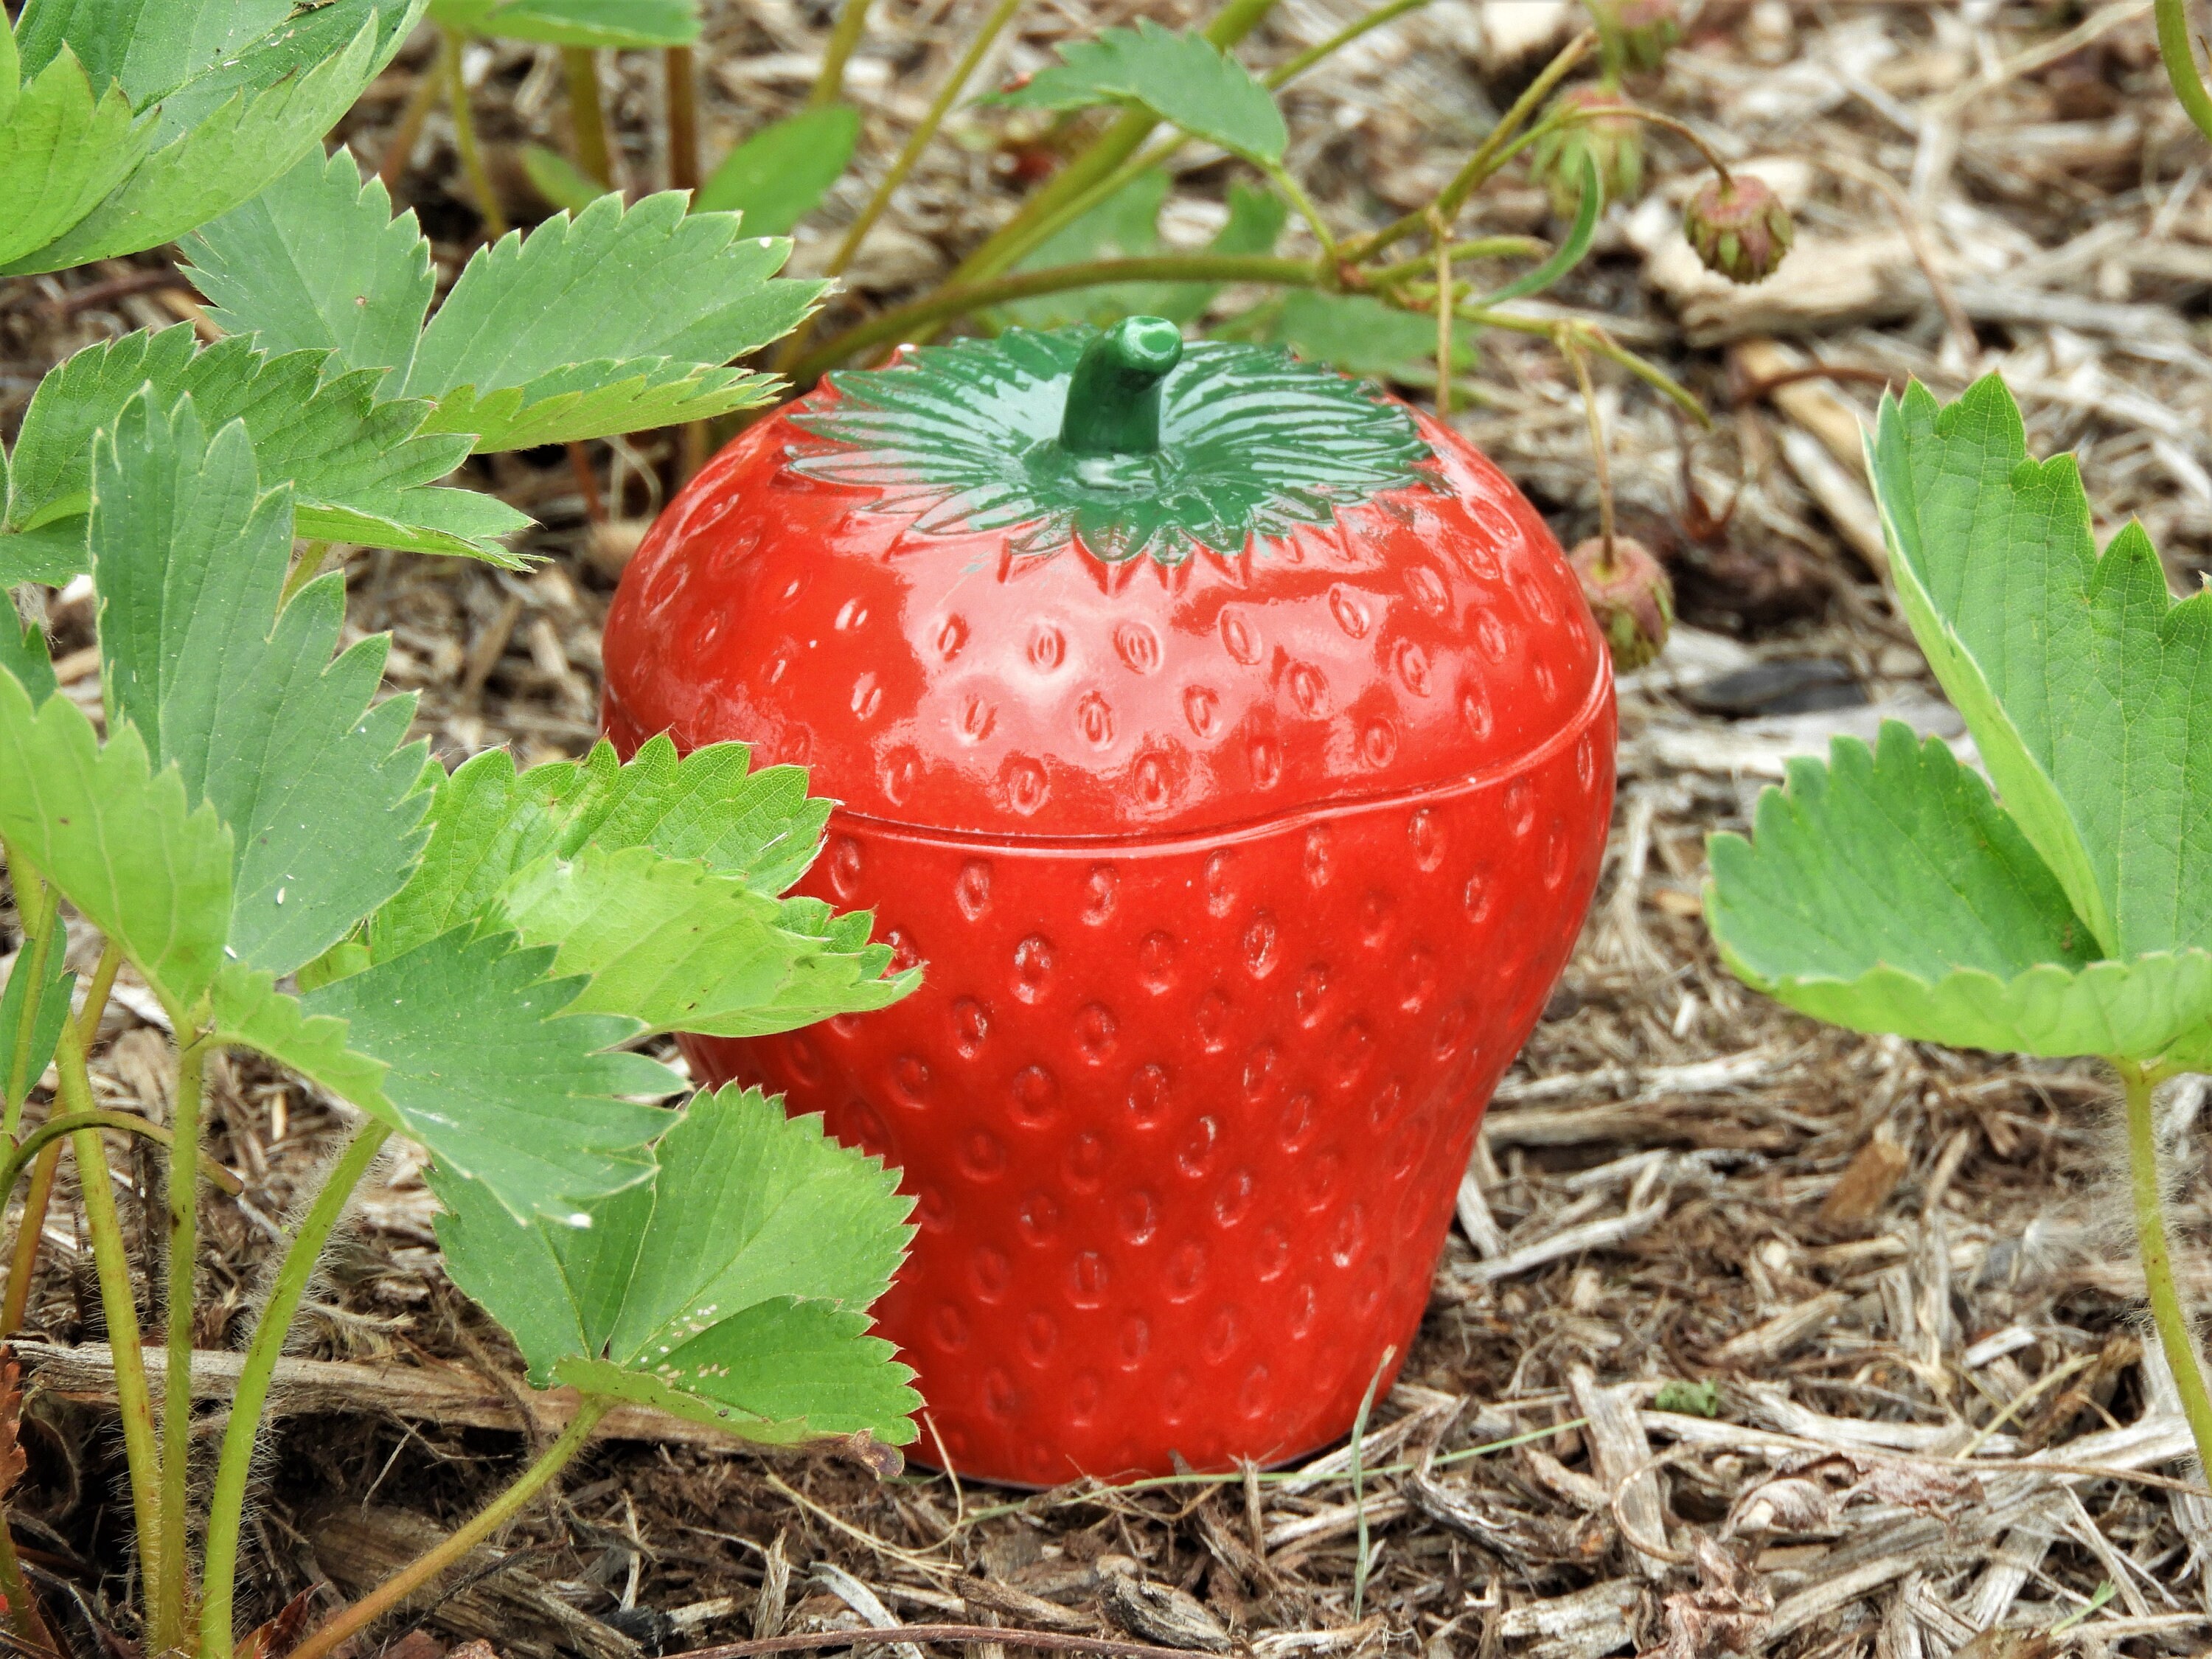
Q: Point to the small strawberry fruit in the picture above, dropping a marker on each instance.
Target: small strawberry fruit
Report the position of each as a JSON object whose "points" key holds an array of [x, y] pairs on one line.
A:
{"points": [[1738, 227], [1613, 142], [1630, 596], [1232, 745]]}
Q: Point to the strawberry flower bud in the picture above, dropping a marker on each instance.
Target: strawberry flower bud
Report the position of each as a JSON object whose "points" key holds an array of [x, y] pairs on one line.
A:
{"points": [[1614, 143], [1630, 597], [1638, 34], [1738, 228]]}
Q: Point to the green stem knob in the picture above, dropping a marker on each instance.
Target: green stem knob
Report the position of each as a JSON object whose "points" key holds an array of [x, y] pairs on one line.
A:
{"points": [[1114, 396]]}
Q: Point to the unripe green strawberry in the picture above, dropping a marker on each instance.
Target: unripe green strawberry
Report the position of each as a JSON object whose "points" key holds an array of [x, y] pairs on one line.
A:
{"points": [[1614, 143], [1638, 34], [1738, 228], [1630, 597]]}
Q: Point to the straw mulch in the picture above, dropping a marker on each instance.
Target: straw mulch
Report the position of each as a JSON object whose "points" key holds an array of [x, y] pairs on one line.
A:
{"points": [[1931, 1425]]}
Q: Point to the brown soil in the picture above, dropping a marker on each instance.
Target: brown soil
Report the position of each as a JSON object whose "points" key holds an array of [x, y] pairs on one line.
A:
{"points": [[1888, 1258]]}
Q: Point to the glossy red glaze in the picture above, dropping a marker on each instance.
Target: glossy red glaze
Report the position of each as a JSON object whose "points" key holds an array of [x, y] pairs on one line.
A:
{"points": [[1239, 883]]}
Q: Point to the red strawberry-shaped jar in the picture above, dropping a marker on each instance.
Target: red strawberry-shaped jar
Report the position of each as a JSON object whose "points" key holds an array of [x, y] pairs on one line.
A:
{"points": [[1233, 745]]}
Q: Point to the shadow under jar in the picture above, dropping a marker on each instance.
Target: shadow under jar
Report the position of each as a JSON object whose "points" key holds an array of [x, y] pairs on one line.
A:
{"points": [[1233, 746]]}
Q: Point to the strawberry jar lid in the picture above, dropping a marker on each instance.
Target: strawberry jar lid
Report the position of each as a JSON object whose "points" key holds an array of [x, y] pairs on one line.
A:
{"points": [[1285, 589]]}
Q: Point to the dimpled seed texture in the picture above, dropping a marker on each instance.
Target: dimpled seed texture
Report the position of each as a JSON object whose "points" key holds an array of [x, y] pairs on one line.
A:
{"points": [[1232, 745]]}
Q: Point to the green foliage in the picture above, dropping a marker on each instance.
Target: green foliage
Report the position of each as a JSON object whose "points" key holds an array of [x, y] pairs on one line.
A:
{"points": [[730, 1290], [360, 469], [616, 320], [1891, 892], [2088, 688], [1355, 332], [188, 558], [52, 1007], [1125, 225], [779, 174], [119, 839], [559, 179], [657, 879], [489, 1070], [1182, 78], [139, 122], [23, 653], [575, 23]]}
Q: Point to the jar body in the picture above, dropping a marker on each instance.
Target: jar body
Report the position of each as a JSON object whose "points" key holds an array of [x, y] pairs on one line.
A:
{"points": [[1237, 879], [1184, 1119]]}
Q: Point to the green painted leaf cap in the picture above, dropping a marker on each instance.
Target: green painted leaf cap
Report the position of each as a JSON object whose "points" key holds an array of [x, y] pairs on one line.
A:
{"points": [[1114, 396], [1127, 442]]}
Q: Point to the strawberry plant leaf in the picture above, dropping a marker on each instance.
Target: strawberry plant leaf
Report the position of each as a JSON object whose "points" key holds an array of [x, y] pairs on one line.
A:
{"points": [[612, 311], [612, 23], [189, 558], [317, 262], [844, 973], [1126, 226], [614, 320], [360, 469], [597, 400], [488, 825], [2088, 688], [51, 553], [234, 150], [656, 879], [760, 826], [672, 943], [779, 174], [24, 652], [559, 179], [1182, 78], [249, 1011], [485, 825], [52, 1007], [1356, 333], [1888, 891], [490, 1071], [119, 839], [733, 1290], [62, 150]]}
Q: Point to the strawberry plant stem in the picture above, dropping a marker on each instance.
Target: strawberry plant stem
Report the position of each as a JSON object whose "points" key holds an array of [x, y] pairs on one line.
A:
{"points": [[494, 1514], [1444, 303], [62, 1125], [1570, 348], [586, 115], [2180, 53], [465, 139], [2166, 1312], [1283, 74], [1106, 153], [407, 130], [1488, 155], [25, 1261], [227, 1505], [916, 319], [22, 1611], [985, 36], [829, 80], [37, 906], [96, 995], [680, 99], [168, 1592], [32, 1229], [96, 1185]]}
